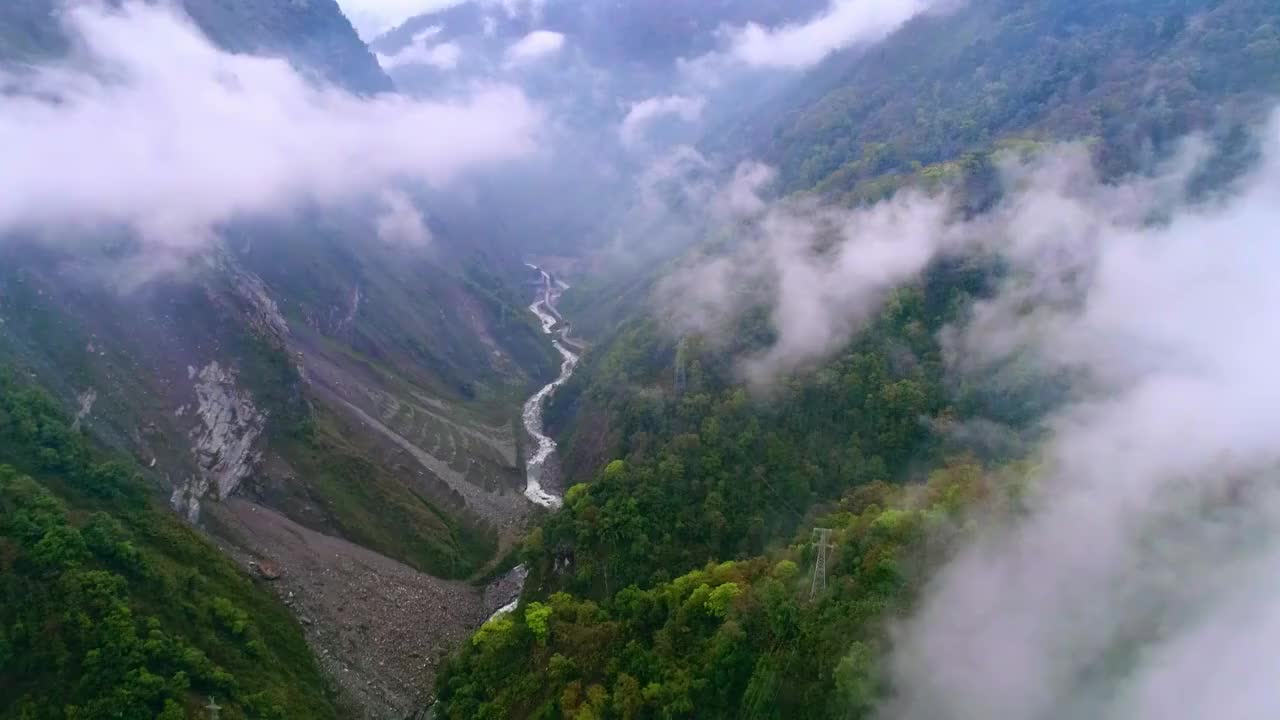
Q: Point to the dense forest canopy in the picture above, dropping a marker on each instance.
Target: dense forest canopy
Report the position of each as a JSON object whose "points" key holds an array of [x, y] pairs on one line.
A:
{"points": [[1134, 76]]}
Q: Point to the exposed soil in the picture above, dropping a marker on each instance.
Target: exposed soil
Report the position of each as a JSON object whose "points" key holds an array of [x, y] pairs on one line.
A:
{"points": [[377, 626]]}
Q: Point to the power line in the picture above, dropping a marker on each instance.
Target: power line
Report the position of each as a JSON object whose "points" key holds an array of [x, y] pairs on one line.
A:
{"points": [[682, 360], [765, 479]]}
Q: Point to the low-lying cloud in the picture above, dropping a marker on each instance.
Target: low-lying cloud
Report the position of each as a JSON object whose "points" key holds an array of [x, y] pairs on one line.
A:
{"points": [[422, 51], [822, 271], [844, 24], [1140, 584], [1139, 581], [400, 223], [151, 127], [642, 114], [533, 47], [530, 9]]}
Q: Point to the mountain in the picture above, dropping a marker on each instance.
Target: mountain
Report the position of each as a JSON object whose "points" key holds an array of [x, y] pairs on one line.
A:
{"points": [[685, 577], [340, 389], [314, 35], [309, 398], [615, 76], [884, 359], [613, 35], [113, 605], [995, 71]]}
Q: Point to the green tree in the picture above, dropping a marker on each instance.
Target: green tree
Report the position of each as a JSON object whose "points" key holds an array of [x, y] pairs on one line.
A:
{"points": [[536, 616]]}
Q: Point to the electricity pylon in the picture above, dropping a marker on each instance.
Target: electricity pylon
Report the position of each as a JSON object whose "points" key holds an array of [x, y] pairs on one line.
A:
{"points": [[823, 537], [214, 708]]}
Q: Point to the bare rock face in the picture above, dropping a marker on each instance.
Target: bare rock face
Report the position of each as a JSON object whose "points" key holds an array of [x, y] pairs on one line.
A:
{"points": [[506, 589], [223, 440], [262, 312], [85, 403]]}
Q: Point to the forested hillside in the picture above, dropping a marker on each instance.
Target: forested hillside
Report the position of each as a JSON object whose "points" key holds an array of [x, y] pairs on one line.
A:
{"points": [[111, 607], [669, 593], [746, 639], [675, 501], [678, 580], [1132, 76], [675, 582], [830, 359]]}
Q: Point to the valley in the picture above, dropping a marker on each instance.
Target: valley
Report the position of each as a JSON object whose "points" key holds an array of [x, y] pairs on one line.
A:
{"points": [[565, 360], [379, 627]]}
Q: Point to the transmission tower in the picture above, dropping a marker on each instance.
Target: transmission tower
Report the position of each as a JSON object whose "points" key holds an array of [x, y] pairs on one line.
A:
{"points": [[682, 362], [823, 538], [214, 708]]}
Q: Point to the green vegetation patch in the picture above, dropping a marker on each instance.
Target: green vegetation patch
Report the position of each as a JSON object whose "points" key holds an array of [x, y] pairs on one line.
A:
{"points": [[381, 512], [111, 607], [730, 640]]}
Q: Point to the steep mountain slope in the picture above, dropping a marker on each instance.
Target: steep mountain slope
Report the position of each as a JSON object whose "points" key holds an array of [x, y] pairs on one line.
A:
{"points": [[677, 582], [1132, 76], [339, 410], [314, 35], [319, 392], [113, 607], [613, 35], [956, 86]]}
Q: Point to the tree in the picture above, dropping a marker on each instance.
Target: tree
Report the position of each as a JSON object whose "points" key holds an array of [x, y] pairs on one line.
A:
{"points": [[855, 680], [536, 617]]}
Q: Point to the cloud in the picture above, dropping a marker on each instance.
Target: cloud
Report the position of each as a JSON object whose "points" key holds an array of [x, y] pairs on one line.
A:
{"points": [[821, 271], [399, 223], [372, 18], [531, 9], [645, 112], [153, 128], [844, 24], [420, 51], [743, 197], [1138, 579], [1140, 582], [535, 46]]}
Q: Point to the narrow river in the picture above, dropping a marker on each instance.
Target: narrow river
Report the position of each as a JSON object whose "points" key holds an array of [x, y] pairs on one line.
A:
{"points": [[545, 308], [552, 324]]}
